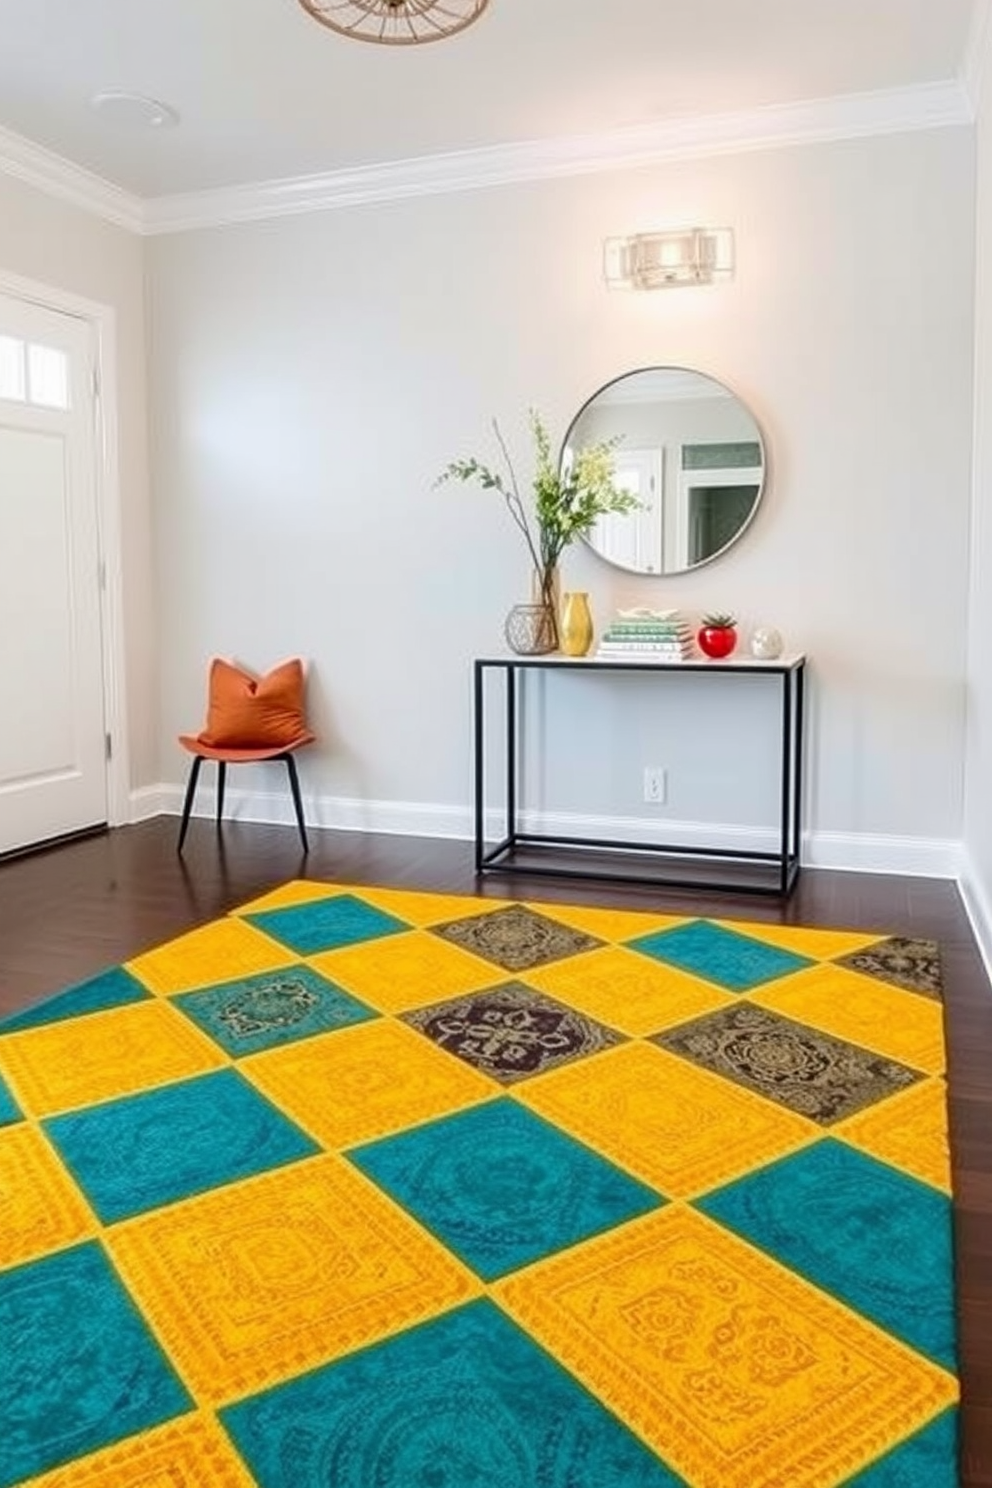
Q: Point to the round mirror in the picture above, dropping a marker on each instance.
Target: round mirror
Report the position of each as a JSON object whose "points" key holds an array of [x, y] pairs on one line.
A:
{"points": [[689, 451]]}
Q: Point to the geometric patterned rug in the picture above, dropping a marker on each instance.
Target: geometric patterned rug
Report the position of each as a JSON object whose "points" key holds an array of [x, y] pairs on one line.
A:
{"points": [[371, 1188]]}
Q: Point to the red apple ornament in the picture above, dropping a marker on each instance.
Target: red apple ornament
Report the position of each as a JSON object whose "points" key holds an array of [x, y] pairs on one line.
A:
{"points": [[717, 636]]}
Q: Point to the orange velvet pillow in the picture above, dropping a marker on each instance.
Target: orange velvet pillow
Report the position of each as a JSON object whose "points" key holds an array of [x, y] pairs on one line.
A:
{"points": [[246, 712]]}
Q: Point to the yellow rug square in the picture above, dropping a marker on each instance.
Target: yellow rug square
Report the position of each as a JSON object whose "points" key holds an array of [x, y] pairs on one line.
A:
{"points": [[611, 925], [416, 906], [399, 972], [192, 1452], [419, 908], [909, 1131], [360, 1083], [820, 945], [252, 1283], [220, 952], [734, 1370], [864, 1011], [297, 891], [80, 1061], [41, 1209], [679, 1128], [627, 991]]}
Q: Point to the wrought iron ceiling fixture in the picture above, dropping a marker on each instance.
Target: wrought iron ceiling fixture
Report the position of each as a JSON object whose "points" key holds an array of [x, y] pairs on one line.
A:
{"points": [[396, 22]]}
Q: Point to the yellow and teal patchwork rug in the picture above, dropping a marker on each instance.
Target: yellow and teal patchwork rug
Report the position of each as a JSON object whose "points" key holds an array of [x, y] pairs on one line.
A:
{"points": [[364, 1188]]}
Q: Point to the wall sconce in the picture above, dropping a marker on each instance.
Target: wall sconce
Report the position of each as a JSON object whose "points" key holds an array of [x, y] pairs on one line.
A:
{"points": [[694, 255]]}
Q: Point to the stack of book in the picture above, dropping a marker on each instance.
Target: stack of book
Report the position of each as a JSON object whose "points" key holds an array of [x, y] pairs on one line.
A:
{"points": [[648, 635]]}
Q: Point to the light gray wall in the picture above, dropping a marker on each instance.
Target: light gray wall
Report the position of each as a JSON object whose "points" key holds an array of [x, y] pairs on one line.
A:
{"points": [[311, 376], [66, 248], [978, 799]]}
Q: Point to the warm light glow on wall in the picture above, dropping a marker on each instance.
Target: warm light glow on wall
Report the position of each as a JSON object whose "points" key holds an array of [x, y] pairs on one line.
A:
{"points": [[665, 260]]}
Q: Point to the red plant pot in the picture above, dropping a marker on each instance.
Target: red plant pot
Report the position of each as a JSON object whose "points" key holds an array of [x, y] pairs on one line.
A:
{"points": [[716, 641]]}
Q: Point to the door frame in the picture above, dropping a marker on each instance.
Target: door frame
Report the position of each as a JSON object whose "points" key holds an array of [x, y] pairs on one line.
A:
{"points": [[102, 320]]}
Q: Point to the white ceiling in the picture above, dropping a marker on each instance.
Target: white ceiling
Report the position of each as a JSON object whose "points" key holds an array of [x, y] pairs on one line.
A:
{"points": [[265, 92]]}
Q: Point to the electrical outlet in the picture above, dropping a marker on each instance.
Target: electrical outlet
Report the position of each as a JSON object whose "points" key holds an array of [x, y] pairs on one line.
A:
{"points": [[654, 784]]}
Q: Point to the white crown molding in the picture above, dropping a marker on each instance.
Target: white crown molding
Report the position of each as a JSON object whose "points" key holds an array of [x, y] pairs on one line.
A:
{"points": [[58, 177], [974, 64], [854, 116], [931, 106]]}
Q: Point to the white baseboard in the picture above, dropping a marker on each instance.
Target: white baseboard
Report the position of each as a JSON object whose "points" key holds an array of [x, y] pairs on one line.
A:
{"points": [[978, 909], [636, 830], [146, 803], [865, 852], [340, 813], [854, 852]]}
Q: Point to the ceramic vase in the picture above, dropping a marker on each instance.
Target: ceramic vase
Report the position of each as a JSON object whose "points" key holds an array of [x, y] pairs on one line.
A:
{"points": [[716, 641], [576, 623], [766, 643]]}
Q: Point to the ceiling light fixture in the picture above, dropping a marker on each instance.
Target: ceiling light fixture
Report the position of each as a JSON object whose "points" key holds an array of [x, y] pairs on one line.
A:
{"points": [[663, 260], [135, 109], [395, 22]]}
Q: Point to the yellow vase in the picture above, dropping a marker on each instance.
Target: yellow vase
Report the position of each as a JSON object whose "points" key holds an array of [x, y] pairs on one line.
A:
{"points": [[576, 623]]}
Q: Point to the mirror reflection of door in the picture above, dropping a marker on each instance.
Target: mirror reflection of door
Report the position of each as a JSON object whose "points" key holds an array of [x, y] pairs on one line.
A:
{"points": [[691, 452], [635, 540], [718, 488]]}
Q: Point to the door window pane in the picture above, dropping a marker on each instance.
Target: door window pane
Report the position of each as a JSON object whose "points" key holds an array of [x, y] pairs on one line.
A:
{"points": [[48, 377], [12, 368]]}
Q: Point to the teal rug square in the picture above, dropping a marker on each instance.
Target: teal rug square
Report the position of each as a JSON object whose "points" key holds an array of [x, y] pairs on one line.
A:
{"points": [[731, 960], [501, 1187], [9, 1109], [66, 1390], [326, 924], [145, 1150], [876, 1238], [273, 1007], [464, 1401], [113, 988], [928, 1460]]}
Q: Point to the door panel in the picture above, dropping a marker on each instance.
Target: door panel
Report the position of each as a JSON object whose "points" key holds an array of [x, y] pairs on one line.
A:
{"points": [[635, 540], [53, 776]]}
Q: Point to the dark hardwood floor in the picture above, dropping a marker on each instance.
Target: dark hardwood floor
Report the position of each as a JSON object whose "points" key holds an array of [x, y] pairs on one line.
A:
{"points": [[68, 912]]}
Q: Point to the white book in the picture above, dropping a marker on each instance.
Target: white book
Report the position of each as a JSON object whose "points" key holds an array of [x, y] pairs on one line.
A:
{"points": [[661, 658], [675, 648]]}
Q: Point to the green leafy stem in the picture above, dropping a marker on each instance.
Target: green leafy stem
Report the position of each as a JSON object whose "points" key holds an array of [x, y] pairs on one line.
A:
{"points": [[568, 499]]}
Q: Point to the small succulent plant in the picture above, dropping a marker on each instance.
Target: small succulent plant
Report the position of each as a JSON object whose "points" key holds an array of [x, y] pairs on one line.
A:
{"points": [[720, 622]]}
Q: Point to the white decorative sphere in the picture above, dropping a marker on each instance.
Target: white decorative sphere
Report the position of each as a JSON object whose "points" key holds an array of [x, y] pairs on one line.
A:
{"points": [[766, 643]]}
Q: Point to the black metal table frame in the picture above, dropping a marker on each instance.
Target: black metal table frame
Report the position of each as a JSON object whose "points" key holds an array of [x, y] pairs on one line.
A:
{"points": [[785, 862]]}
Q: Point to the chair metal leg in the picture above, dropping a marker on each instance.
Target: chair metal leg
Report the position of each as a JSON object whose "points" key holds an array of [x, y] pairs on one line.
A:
{"points": [[221, 779], [188, 803], [294, 785]]}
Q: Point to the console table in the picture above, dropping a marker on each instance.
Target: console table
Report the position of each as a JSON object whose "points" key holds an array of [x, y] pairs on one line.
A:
{"points": [[654, 863]]}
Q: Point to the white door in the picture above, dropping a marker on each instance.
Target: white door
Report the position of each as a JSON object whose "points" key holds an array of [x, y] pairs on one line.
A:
{"points": [[634, 539], [53, 770]]}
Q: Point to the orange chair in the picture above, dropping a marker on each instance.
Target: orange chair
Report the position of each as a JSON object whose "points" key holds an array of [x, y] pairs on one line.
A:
{"points": [[249, 719]]}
